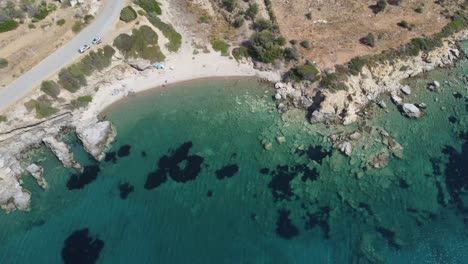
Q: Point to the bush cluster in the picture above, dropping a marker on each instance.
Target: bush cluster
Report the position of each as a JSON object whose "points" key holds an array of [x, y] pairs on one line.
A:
{"points": [[8, 25], [368, 40], [240, 52], [308, 72], [42, 106], [128, 14], [150, 6], [3, 63], [266, 47], [175, 39], [219, 45], [141, 44], [81, 101], [50, 88], [74, 77]]}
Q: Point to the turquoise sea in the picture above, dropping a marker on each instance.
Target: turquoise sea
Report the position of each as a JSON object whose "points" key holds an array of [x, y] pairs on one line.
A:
{"points": [[188, 181]]}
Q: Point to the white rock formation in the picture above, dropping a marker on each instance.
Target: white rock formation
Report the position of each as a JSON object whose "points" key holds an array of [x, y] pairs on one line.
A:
{"points": [[62, 152], [37, 171], [96, 137], [411, 111]]}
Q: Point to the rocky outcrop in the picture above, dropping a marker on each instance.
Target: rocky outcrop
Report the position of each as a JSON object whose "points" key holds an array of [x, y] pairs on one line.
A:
{"points": [[12, 195], [345, 106], [96, 137], [62, 152], [37, 171]]}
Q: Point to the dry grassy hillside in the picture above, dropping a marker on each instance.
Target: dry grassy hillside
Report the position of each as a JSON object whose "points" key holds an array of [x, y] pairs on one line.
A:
{"points": [[334, 27]]}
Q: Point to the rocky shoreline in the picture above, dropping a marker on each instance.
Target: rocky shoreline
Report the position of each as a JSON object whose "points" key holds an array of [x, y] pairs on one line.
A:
{"points": [[15, 145], [345, 106]]}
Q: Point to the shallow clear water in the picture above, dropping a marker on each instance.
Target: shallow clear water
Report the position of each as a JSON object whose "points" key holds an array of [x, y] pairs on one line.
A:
{"points": [[300, 202]]}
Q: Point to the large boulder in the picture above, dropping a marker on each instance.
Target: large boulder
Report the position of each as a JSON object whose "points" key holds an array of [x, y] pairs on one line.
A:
{"points": [[412, 111]]}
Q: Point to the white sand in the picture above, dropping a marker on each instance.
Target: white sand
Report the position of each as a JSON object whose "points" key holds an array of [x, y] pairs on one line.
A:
{"points": [[182, 66]]}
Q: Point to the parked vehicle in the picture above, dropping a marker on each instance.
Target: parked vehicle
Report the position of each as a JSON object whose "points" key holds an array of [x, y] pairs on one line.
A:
{"points": [[96, 40], [84, 48]]}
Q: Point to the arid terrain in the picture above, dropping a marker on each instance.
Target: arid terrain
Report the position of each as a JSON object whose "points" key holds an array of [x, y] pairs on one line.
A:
{"points": [[335, 26]]}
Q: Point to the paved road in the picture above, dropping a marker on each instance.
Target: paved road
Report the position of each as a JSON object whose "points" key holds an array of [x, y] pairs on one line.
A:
{"points": [[61, 57]]}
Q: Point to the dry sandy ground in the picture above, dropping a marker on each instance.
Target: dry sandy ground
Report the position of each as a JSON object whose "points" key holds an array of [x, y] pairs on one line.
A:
{"points": [[26, 47], [337, 40]]}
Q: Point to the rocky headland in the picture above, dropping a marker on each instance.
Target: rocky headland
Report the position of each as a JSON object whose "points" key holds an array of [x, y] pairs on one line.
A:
{"points": [[345, 106]]}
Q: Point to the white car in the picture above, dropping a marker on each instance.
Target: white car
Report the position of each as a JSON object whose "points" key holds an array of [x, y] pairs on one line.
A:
{"points": [[84, 48], [96, 40]]}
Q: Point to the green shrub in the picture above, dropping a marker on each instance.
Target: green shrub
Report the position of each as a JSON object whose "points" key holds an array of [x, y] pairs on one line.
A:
{"points": [[43, 108], [81, 101], [219, 45], [3, 118], [88, 19], [239, 53], [141, 44], [307, 72], [128, 14], [73, 77], [150, 6], [229, 5], [305, 44], [71, 82], [291, 54], [418, 10], [3, 63], [238, 22], [31, 26], [264, 47], [50, 88], [175, 39], [356, 64], [153, 54], [309, 16], [60, 22], [368, 40], [457, 24], [43, 13], [77, 26], [262, 24], [380, 6], [334, 81], [141, 12], [252, 11], [8, 25], [406, 25], [204, 20]]}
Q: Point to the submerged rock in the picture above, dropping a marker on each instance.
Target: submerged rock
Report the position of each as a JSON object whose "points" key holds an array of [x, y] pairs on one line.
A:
{"points": [[81, 248], [37, 171], [379, 161], [96, 137], [434, 86], [345, 147]]}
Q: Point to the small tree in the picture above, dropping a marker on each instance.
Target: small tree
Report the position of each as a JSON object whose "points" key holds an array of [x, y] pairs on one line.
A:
{"points": [[368, 40], [128, 14], [380, 6], [252, 11]]}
